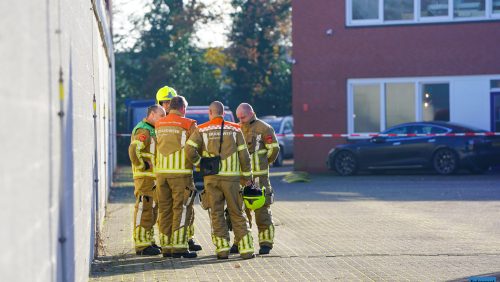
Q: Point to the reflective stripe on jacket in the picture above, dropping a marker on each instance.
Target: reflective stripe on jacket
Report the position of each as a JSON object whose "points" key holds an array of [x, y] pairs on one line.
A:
{"points": [[205, 141], [172, 133]]}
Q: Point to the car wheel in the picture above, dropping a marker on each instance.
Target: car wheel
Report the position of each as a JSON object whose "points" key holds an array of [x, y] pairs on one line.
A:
{"points": [[445, 162], [279, 159], [345, 163]]}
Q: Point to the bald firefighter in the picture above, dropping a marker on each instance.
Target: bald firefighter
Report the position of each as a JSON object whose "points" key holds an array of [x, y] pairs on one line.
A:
{"points": [[223, 184], [264, 148], [142, 154], [163, 98]]}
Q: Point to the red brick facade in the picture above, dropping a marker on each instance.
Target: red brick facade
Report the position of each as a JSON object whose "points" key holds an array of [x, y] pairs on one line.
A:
{"points": [[324, 63]]}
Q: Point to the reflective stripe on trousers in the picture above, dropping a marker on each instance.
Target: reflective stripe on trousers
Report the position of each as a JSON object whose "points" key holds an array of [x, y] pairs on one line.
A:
{"points": [[142, 237], [245, 245], [267, 235], [190, 233], [221, 244], [179, 238], [165, 243]]}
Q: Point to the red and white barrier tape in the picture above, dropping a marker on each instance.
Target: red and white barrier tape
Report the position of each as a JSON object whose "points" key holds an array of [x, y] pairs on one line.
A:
{"points": [[368, 135]]}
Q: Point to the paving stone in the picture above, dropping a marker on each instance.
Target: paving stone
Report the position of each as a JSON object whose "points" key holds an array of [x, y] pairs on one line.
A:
{"points": [[365, 228]]}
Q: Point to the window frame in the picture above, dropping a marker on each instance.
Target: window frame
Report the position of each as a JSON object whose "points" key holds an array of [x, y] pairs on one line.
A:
{"points": [[350, 99], [417, 17], [418, 83]]}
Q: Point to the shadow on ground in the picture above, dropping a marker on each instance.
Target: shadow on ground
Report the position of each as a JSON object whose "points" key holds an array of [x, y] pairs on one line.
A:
{"points": [[130, 263]]}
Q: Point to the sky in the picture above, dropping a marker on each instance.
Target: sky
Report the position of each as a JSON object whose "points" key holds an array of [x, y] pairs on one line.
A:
{"points": [[212, 34]]}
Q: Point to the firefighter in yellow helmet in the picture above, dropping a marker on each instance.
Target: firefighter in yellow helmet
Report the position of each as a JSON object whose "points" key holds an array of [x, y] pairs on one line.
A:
{"points": [[264, 148], [164, 95], [174, 180], [222, 184], [142, 156]]}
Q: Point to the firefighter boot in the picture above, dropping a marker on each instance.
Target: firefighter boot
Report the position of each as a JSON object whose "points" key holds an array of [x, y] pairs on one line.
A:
{"points": [[234, 249], [149, 251], [264, 250], [193, 246]]}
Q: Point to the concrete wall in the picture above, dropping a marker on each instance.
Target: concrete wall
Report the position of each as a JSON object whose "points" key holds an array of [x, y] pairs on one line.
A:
{"points": [[48, 166], [325, 61]]}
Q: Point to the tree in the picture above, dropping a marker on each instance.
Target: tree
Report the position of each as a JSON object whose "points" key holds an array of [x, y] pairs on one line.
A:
{"points": [[260, 44], [164, 55]]}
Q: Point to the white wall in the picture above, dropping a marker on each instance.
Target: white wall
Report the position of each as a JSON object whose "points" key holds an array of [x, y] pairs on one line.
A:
{"points": [[470, 101], [46, 172]]}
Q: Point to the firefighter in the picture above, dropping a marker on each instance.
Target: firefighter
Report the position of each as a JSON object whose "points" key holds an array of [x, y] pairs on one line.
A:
{"points": [[142, 154], [223, 186], [174, 180], [264, 148], [163, 97]]}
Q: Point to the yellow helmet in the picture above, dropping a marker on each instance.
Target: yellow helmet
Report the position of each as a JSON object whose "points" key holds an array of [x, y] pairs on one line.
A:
{"points": [[165, 94], [254, 197]]}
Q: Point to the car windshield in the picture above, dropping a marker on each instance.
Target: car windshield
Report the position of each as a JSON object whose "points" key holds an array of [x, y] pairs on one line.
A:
{"points": [[275, 123]]}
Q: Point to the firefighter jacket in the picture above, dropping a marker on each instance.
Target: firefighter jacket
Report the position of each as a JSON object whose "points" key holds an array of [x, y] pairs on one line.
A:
{"points": [[262, 145], [235, 159], [142, 150], [172, 133]]}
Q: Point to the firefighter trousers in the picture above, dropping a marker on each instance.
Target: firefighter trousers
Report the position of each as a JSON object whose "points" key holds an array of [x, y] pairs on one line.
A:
{"points": [[222, 192], [145, 212], [175, 202], [264, 216]]}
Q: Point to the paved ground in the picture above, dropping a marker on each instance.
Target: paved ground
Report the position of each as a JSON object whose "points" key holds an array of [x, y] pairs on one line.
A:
{"points": [[410, 227]]}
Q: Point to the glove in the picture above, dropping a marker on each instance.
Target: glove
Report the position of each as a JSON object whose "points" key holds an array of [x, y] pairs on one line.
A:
{"points": [[146, 166]]}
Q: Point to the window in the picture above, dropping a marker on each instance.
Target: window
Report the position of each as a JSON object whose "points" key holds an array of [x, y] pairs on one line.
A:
{"points": [[428, 129], [434, 8], [469, 8], [395, 10], [364, 9], [366, 108], [399, 103], [436, 102], [398, 130], [495, 84], [496, 7], [375, 105], [387, 12], [287, 129]]}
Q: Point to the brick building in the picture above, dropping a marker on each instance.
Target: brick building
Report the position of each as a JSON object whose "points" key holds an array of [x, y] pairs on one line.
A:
{"points": [[362, 66]]}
